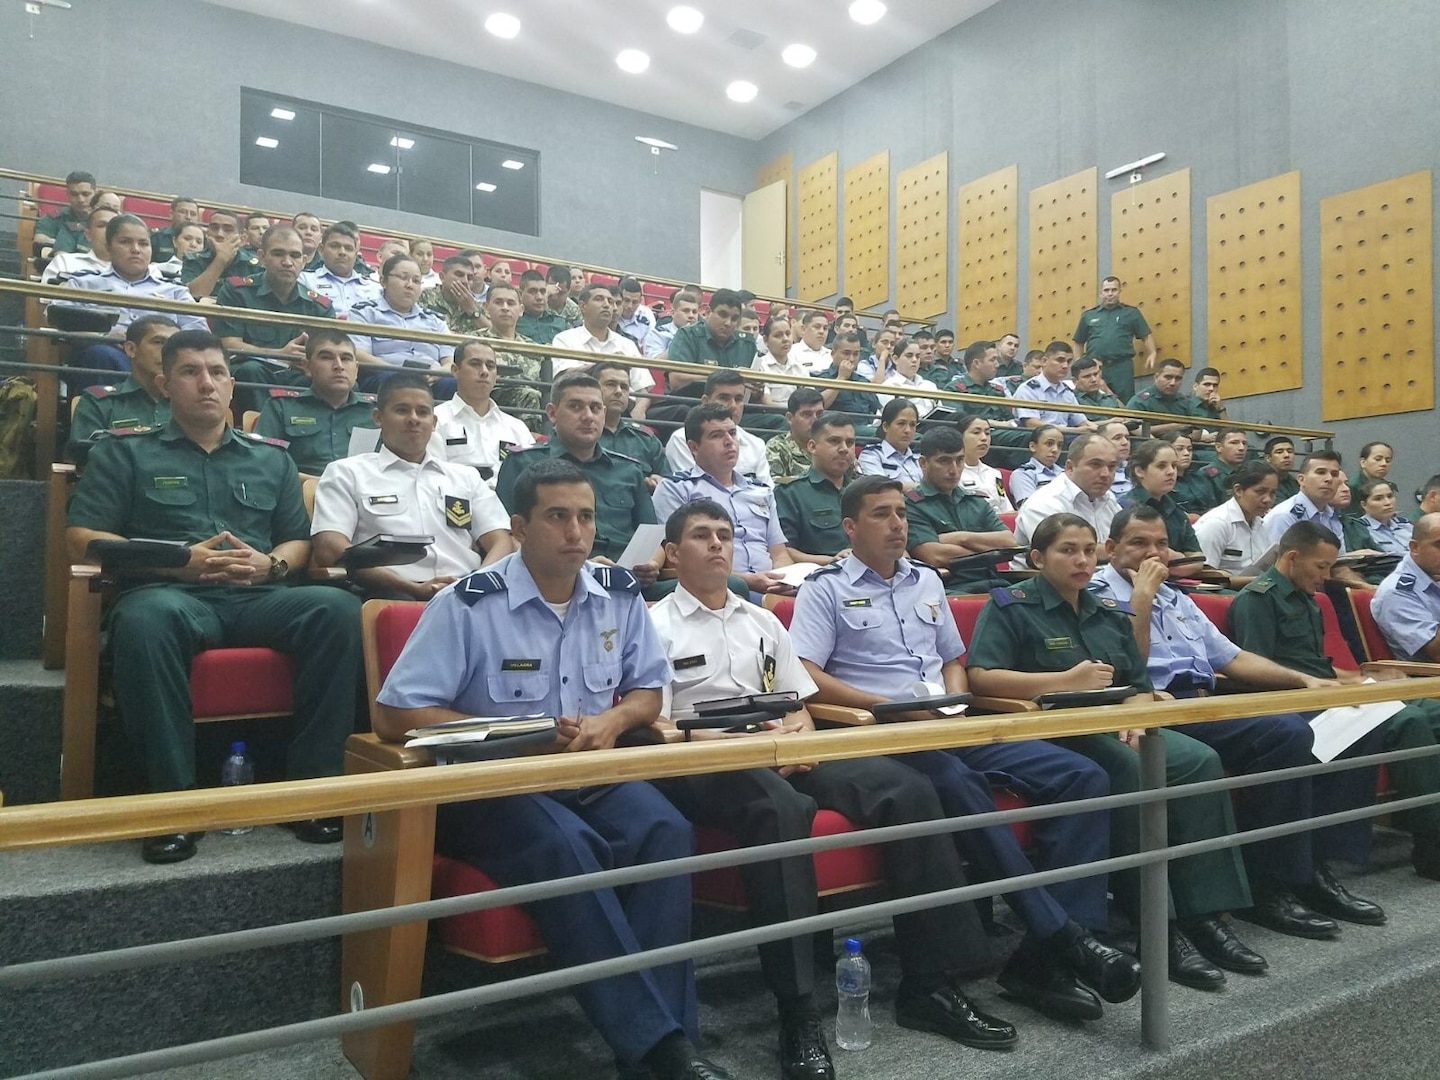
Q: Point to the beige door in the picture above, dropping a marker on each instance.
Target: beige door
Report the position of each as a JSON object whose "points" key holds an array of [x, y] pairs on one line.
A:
{"points": [[762, 244]]}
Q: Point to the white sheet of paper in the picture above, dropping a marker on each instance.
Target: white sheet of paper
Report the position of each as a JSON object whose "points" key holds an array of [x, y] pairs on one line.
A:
{"points": [[795, 573], [1336, 730], [642, 545], [1263, 563], [925, 689]]}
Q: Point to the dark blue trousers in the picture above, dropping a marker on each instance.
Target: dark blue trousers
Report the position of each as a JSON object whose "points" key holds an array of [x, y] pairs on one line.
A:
{"points": [[962, 779], [528, 838]]}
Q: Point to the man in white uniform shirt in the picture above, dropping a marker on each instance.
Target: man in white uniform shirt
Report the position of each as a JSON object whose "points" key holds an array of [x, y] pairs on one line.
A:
{"points": [[810, 350], [725, 387], [597, 308], [1083, 490], [474, 430], [403, 489]]}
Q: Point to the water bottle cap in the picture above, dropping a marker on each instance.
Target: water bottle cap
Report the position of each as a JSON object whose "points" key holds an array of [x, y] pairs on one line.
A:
{"points": [[237, 748], [852, 946]]}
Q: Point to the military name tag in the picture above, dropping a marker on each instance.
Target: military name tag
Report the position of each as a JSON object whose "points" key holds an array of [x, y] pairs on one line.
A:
{"points": [[172, 481], [519, 665], [383, 500], [457, 512], [1234, 552], [1059, 643], [300, 420], [685, 663], [859, 601]]}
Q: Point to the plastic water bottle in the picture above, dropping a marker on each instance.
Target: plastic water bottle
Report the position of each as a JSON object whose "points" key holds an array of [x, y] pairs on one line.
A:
{"points": [[239, 769], [853, 1029]]}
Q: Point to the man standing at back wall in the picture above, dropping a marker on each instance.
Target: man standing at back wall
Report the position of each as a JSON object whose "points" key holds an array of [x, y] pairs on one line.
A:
{"points": [[1109, 331]]}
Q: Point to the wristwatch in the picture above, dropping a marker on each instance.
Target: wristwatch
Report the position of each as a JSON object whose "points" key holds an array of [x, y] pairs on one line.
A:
{"points": [[279, 569]]}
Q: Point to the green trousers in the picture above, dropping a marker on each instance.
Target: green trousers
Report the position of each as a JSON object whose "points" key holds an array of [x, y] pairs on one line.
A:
{"points": [[156, 630], [1201, 884], [1418, 724], [1120, 377]]}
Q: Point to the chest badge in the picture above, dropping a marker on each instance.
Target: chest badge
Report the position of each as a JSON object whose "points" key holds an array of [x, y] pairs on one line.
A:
{"points": [[934, 608], [1059, 643], [608, 637], [382, 500], [171, 481], [1107, 602], [457, 512]]}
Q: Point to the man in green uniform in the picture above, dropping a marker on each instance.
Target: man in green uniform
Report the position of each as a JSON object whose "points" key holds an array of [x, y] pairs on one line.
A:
{"points": [[1165, 398], [1108, 331], [235, 499], [1276, 616], [453, 298], [981, 360], [538, 321], [220, 258], [1280, 452], [622, 499], [65, 229], [135, 403], [502, 312], [713, 340], [787, 453], [1205, 395], [948, 522], [276, 289], [1090, 390], [625, 437], [316, 422], [1007, 358], [183, 211], [809, 507], [1204, 487]]}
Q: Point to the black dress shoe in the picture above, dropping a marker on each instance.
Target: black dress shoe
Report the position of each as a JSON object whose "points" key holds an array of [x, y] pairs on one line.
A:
{"points": [[1217, 941], [1188, 966], [948, 1012], [1327, 896], [675, 1059], [1280, 910], [803, 1052], [1425, 856], [1111, 973], [173, 848], [330, 830], [1049, 988]]}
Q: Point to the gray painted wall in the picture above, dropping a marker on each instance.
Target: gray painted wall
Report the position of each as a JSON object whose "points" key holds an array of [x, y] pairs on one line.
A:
{"points": [[1234, 90], [108, 101]]}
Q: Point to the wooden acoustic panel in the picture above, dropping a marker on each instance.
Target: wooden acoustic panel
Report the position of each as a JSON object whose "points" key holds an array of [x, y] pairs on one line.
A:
{"points": [[1377, 299], [818, 270], [1063, 252], [1150, 254], [782, 168], [922, 235], [988, 260], [1252, 258], [867, 231]]}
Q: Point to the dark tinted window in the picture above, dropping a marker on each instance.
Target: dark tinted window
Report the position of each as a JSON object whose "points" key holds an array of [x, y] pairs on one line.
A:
{"points": [[279, 144]]}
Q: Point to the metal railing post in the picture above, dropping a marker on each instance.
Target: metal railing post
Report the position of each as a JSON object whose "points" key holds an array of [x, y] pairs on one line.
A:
{"points": [[1154, 900]]}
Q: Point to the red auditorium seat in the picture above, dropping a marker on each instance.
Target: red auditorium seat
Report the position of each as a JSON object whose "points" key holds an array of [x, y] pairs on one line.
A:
{"points": [[1376, 647], [1009, 519], [839, 871]]}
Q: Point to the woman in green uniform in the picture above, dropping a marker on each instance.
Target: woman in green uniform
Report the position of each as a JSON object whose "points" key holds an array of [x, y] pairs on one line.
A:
{"points": [[1154, 467]]}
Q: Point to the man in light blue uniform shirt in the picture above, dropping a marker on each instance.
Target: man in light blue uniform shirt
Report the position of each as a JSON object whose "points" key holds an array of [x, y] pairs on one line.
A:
{"points": [[542, 631], [1319, 476], [1055, 400], [1295, 891], [876, 626], [1406, 605], [337, 277], [760, 545]]}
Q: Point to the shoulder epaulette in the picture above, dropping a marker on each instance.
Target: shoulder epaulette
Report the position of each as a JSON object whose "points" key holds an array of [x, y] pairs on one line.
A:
{"points": [[1210, 471], [623, 457], [1034, 384], [369, 399], [364, 304], [253, 437], [828, 568], [1260, 585], [481, 583], [239, 282], [616, 579], [81, 274], [1298, 510], [319, 298], [914, 495], [1112, 604], [1405, 583], [139, 429], [100, 391], [284, 391], [1145, 395], [1006, 595]]}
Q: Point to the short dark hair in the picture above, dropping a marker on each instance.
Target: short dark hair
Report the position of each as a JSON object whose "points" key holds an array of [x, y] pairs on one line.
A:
{"points": [[1109, 277], [1365, 490], [722, 377], [1035, 433], [1223, 432], [1177, 433], [558, 275], [221, 212], [453, 261], [726, 298], [1056, 347], [852, 499], [119, 221], [1433, 484], [828, 420], [699, 416], [976, 350], [341, 228], [1034, 354], [599, 368], [1139, 512], [1278, 440], [499, 287], [630, 284], [1144, 455], [326, 335], [579, 381], [138, 328], [944, 331], [276, 230], [1169, 362], [1365, 450], [395, 260], [845, 301], [922, 335], [78, 177], [1321, 455], [255, 215], [1305, 537], [811, 316], [1049, 530], [304, 213], [525, 279], [1085, 363], [180, 200], [550, 471], [468, 344], [802, 396], [847, 338], [942, 439], [1206, 372], [595, 287], [402, 380], [681, 515], [1249, 473], [194, 340]]}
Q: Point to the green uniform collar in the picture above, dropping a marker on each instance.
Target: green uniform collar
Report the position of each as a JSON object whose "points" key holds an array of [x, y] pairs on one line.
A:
{"points": [[1281, 587], [1051, 600], [819, 479]]}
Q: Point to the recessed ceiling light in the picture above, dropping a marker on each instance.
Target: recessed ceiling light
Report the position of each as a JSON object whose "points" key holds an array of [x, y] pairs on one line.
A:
{"points": [[503, 25], [485, 187], [658, 144], [741, 91], [377, 168], [798, 56], [866, 12], [632, 60], [267, 142], [512, 164], [282, 114], [685, 20], [402, 143]]}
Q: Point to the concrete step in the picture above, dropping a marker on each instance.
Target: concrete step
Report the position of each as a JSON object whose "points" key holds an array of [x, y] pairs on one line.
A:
{"points": [[30, 699], [22, 563]]}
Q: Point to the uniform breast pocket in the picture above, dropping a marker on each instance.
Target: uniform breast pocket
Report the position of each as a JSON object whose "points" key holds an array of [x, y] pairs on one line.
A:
{"points": [[692, 670], [297, 427], [1189, 629], [828, 518], [254, 497], [621, 497], [383, 504], [518, 686], [860, 618], [179, 496], [602, 683]]}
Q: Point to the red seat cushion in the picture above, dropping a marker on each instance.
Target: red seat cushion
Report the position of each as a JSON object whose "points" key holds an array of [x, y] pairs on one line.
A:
{"points": [[240, 682], [1009, 519], [965, 610], [784, 610], [393, 627], [841, 870], [1335, 645], [1376, 646], [1215, 608], [504, 933]]}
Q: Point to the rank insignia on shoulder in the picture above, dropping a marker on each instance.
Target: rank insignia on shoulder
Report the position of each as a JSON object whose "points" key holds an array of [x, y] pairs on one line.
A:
{"points": [[1005, 595], [283, 391], [829, 568], [100, 391], [914, 495], [1116, 605], [457, 512], [369, 399], [481, 583], [322, 300], [253, 437], [1260, 585], [1406, 582], [616, 579], [239, 281], [139, 429], [1210, 471], [1298, 510]]}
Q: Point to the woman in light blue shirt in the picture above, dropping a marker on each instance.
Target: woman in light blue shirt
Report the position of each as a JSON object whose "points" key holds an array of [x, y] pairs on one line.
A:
{"points": [[1389, 531], [401, 279], [892, 457]]}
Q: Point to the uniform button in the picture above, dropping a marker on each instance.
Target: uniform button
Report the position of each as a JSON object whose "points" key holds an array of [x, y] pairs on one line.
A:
{"points": [[517, 693], [564, 679]]}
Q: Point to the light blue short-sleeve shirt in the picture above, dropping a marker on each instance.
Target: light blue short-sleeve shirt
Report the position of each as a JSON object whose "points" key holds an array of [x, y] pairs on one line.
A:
{"points": [[1406, 607], [1182, 639], [751, 506], [397, 350]]}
